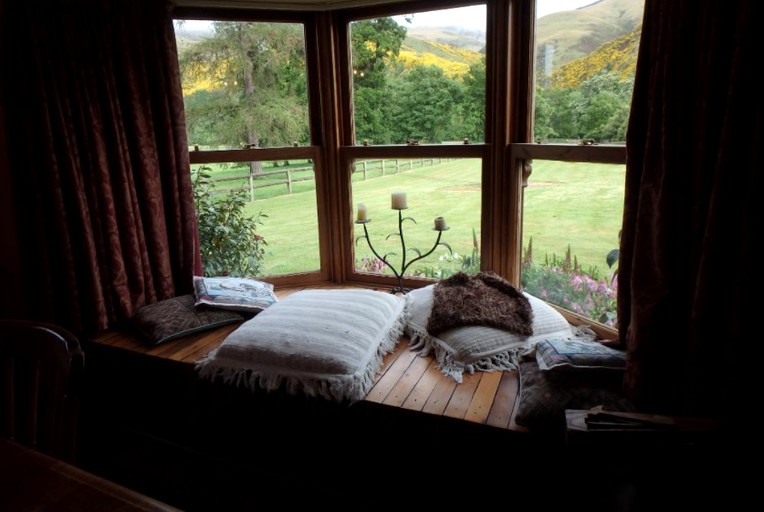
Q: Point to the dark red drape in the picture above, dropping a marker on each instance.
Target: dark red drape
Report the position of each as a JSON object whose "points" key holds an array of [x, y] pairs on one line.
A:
{"points": [[97, 160], [689, 271]]}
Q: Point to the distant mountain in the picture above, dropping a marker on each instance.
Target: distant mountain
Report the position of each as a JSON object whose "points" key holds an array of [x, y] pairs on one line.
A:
{"points": [[450, 49], [569, 35], [583, 39], [457, 37]]}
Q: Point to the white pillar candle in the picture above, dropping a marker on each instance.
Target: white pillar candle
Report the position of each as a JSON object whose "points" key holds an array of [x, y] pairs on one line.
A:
{"points": [[363, 213], [440, 224], [399, 201]]}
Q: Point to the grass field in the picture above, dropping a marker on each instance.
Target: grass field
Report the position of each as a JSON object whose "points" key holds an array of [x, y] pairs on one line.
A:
{"points": [[566, 204]]}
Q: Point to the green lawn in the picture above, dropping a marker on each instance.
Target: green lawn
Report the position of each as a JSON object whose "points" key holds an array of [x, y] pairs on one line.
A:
{"points": [[576, 204], [572, 204]]}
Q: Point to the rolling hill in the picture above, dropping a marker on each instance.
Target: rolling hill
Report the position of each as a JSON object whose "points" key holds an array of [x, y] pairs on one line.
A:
{"points": [[566, 36], [571, 45], [450, 49]]}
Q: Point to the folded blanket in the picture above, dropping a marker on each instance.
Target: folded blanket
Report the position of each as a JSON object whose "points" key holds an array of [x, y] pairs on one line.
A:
{"points": [[483, 299]]}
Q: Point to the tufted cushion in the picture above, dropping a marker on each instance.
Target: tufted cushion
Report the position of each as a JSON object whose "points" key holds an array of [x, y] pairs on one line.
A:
{"points": [[177, 317], [472, 348]]}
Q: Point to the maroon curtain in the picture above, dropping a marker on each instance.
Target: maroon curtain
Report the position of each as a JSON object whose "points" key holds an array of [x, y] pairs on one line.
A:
{"points": [[689, 270], [97, 161]]}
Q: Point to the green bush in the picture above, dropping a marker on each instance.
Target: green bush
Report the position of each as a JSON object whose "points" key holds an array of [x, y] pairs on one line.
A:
{"points": [[229, 242]]}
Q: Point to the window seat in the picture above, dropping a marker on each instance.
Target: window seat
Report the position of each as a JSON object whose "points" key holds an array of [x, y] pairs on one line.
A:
{"points": [[406, 380]]}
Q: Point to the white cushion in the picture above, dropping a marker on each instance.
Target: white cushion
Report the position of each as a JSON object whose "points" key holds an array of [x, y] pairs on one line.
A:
{"points": [[327, 343]]}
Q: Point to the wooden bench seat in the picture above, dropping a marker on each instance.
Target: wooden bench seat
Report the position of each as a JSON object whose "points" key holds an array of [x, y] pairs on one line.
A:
{"points": [[406, 379]]}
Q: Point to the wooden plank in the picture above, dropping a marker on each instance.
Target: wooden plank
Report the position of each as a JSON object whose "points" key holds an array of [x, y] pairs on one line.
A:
{"points": [[127, 340], [201, 350], [205, 344], [596, 153], [285, 292], [480, 406], [105, 338], [385, 384], [424, 388], [166, 349], [504, 401], [460, 400], [407, 382], [440, 396], [390, 358]]}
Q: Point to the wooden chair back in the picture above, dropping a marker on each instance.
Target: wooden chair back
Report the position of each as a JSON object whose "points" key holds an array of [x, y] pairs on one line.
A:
{"points": [[40, 378]]}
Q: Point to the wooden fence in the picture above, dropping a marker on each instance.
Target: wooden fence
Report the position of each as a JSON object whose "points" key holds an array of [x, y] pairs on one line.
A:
{"points": [[367, 168]]}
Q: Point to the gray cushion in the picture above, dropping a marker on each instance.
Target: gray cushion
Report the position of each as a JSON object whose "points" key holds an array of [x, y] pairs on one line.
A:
{"points": [[177, 317], [559, 354], [544, 395]]}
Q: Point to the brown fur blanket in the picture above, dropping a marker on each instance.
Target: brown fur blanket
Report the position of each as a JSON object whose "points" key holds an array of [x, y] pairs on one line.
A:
{"points": [[483, 299]]}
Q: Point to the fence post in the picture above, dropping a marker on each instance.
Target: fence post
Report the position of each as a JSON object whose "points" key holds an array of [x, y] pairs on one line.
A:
{"points": [[382, 165], [289, 181], [364, 170], [251, 181]]}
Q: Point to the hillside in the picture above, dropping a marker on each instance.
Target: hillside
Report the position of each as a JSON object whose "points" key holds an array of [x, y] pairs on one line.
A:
{"points": [[619, 55], [566, 36], [451, 51]]}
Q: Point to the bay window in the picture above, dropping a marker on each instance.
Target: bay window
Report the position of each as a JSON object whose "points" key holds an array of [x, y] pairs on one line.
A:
{"points": [[501, 121]]}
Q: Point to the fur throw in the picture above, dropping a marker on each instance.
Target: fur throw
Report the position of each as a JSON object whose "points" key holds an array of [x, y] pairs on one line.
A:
{"points": [[483, 299]]}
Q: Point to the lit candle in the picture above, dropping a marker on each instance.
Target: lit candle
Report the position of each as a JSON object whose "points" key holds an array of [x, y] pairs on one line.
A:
{"points": [[440, 224], [399, 201], [363, 213]]}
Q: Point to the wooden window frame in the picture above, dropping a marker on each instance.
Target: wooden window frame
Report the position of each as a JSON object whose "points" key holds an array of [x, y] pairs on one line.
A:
{"points": [[507, 152]]}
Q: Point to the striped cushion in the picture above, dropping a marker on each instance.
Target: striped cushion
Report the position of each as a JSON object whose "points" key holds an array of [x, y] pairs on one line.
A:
{"points": [[327, 343]]}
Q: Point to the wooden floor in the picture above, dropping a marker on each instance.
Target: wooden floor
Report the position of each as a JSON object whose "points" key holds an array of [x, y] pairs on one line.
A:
{"points": [[406, 379]]}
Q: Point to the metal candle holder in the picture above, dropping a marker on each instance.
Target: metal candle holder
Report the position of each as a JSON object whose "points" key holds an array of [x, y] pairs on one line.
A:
{"points": [[404, 264]]}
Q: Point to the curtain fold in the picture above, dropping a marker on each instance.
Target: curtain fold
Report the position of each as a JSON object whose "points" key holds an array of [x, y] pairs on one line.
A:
{"points": [[688, 268], [98, 159]]}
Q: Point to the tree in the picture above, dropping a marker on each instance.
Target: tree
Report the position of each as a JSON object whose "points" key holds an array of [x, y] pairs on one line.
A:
{"points": [[375, 44], [426, 106], [603, 106], [255, 90], [473, 107]]}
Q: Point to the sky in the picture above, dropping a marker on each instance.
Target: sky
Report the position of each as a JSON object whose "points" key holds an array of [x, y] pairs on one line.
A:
{"points": [[467, 17], [474, 17]]}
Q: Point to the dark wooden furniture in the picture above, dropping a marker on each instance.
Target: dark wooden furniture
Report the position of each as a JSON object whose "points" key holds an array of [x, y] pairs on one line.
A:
{"points": [[30, 480], [41, 377]]}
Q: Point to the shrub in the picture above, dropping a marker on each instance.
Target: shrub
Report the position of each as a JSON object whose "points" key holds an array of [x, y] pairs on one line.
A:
{"points": [[564, 283], [228, 238]]}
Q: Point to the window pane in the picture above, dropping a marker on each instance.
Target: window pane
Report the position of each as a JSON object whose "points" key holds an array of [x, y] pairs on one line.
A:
{"points": [[277, 202], [420, 77], [571, 222], [585, 61], [244, 84], [434, 188]]}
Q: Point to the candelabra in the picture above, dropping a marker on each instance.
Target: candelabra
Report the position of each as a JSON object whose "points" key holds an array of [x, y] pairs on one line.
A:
{"points": [[399, 203]]}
